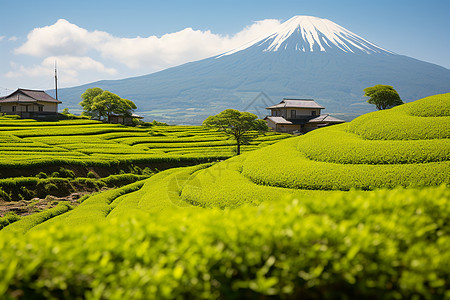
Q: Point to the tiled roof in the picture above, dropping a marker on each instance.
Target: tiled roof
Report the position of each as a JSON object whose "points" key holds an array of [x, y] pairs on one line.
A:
{"points": [[24, 95], [279, 120], [136, 116], [325, 119], [296, 103]]}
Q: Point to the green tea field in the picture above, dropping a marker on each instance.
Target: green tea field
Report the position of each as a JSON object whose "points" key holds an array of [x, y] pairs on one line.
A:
{"points": [[58, 158], [359, 210], [29, 143]]}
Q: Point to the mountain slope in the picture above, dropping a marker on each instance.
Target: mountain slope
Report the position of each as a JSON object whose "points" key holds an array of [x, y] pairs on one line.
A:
{"points": [[306, 57]]}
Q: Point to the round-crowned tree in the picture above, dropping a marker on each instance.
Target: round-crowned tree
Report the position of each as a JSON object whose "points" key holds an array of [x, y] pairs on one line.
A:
{"points": [[382, 96], [242, 126]]}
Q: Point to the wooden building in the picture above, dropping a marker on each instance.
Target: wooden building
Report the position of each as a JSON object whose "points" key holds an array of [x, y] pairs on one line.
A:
{"points": [[125, 120], [29, 104], [298, 115]]}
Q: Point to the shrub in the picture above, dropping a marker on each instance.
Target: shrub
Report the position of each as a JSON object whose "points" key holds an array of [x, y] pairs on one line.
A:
{"points": [[8, 218], [41, 175], [135, 169], [4, 195], [122, 179], [156, 123], [51, 187], [55, 175], [147, 171], [25, 193], [65, 173], [91, 174]]}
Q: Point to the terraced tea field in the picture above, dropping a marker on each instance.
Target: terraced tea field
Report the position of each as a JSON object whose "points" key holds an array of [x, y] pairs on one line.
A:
{"points": [[28, 143], [358, 211]]}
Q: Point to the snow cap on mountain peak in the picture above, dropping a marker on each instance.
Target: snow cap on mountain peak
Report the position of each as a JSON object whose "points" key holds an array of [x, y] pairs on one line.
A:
{"points": [[313, 34]]}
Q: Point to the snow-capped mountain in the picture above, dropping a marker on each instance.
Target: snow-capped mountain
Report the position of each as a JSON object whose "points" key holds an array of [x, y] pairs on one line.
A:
{"points": [[310, 34], [306, 57]]}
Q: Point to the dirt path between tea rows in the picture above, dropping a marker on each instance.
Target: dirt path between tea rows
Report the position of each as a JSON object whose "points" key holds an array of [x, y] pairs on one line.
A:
{"points": [[28, 207]]}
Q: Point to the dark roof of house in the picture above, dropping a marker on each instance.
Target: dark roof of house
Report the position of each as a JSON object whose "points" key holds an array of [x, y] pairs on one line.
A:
{"points": [[296, 103], [325, 119], [136, 116], [278, 120], [27, 96], [133, 115], [322, 119]]}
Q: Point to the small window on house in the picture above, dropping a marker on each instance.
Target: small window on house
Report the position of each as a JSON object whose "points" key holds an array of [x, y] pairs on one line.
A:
{"points": [[41, 108], [13, 108], [26, 108], [293, 114], [313, 113]]}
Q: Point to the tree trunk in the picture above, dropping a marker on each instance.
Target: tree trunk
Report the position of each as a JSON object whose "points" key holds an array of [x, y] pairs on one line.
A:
{"points": [[238, 151]]}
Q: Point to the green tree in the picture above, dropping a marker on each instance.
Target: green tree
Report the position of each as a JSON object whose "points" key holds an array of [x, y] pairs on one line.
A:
{"points": [[106, 104], [242, 126], [103, 104], [383, 96], [88, 102]]}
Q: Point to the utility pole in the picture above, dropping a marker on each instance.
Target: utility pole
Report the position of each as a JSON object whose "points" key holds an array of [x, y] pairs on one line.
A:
{"points": [[56, 82]]}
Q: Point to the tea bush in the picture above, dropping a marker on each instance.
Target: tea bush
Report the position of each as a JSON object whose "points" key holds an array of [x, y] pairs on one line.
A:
{"points": [[386, 244], [8, 218]]}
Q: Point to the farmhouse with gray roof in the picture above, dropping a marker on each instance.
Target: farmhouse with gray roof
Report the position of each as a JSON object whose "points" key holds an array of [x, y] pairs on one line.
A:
{"points": [[29, 104], [301, 115]]}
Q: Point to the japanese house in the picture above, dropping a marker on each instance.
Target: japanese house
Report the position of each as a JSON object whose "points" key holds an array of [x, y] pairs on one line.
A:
{"points": [[298, 115], [29, 104]]}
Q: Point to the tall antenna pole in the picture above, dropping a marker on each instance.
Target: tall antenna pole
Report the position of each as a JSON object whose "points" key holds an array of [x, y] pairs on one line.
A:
{"points": [[56, 82]]}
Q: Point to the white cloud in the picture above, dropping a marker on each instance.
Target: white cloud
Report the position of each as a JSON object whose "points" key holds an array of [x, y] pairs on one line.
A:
{"points": [[69, 67], [176, 48], [11, 39], [73, 47], [143, 53], [61, 38]]}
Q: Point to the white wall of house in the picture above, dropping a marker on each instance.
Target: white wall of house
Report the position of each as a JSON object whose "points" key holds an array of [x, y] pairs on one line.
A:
{"points": [[11, 107], [271, 124], [8, 107], [50, 107]]}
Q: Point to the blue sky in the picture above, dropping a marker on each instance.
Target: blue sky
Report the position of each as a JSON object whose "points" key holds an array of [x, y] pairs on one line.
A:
{"points": [[94, 40]]}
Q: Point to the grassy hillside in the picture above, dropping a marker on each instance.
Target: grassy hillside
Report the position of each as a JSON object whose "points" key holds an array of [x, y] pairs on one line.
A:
{"points": [[282, 221]]}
